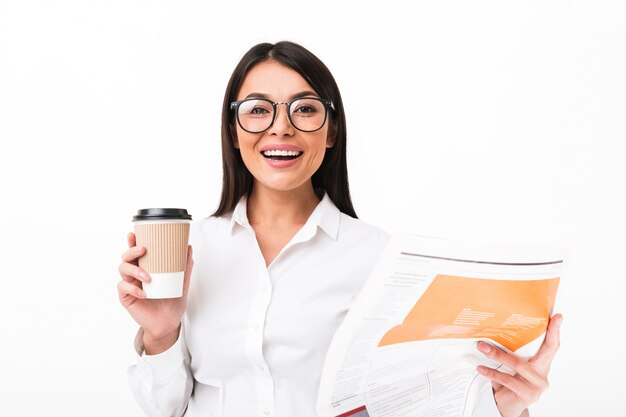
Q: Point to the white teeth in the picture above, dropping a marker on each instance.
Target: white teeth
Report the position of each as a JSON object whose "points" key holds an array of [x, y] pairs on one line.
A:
{"points": [[276, 152]]}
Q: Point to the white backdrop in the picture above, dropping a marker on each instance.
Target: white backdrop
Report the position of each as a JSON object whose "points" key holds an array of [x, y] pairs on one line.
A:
{"points": [[491, 121]]}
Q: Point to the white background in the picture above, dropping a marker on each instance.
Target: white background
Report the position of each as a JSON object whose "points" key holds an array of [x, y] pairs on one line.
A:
{"points": [[493, 121]]}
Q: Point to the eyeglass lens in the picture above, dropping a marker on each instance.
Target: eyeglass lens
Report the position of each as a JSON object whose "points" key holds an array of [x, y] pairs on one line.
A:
{"points": [[256, 115]]}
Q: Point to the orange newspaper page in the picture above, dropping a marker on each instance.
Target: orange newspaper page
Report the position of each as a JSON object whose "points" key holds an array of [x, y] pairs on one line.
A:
{"points": [[512, 313]]}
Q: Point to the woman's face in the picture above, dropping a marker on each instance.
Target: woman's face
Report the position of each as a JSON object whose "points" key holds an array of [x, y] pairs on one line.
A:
{"points": [[279, 83]]}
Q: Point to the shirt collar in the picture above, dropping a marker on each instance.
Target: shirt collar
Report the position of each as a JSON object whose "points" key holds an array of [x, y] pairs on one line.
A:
{"points": [[240, 214], [326, 216]]}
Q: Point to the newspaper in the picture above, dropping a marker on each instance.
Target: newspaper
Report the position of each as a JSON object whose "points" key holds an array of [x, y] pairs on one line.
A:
{"points": [[408, 345]]}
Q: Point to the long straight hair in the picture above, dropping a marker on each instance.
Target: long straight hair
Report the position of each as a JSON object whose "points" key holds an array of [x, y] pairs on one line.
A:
{"points": [[332, 175]]}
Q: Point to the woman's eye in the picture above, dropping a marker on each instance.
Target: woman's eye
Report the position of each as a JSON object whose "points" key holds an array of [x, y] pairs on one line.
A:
{"points": [[305, 109], [258, 110]]}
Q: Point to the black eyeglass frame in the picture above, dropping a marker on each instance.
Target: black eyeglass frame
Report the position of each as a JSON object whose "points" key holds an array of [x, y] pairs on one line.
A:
{"points": [[328, 104]]}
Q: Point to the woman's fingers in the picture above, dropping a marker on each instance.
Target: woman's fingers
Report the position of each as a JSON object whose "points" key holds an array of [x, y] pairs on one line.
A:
{"points": [[535, 369], [519, 365], [132, 254], [515, 393], [524, 390], [132, 273], [127, 289], [131, 238], [549, 347], [531, 377]]}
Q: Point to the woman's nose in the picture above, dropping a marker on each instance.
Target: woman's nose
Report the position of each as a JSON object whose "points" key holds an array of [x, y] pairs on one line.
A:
{"points": [[281, 125]]}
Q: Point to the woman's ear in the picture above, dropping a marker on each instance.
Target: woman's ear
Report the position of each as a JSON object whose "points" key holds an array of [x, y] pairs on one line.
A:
{"points": [[233, 134], [332, 135]]}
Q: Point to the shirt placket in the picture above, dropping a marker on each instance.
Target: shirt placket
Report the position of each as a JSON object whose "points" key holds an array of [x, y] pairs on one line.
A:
{"points": [[254, 343]]}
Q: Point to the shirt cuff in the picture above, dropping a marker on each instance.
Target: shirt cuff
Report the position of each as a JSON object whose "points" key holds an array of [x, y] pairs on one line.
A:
{"points": [[161, 366]]}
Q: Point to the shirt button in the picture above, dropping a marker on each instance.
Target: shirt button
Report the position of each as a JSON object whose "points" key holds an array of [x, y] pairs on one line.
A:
{"points": [[266, 411], [256, 326]]}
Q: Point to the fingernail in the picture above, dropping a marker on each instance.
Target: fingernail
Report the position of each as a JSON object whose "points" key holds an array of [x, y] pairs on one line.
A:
{"points": [[144, 277], [484, 347], [481, 370], [142, 294]]}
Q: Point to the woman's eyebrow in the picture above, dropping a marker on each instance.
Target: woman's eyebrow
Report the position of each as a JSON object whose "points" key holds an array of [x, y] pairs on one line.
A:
{"points": [[256, 95], [305, 93]]}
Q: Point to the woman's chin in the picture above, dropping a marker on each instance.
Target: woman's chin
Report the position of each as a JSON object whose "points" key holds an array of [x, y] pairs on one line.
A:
{"points": [[283, 185]]}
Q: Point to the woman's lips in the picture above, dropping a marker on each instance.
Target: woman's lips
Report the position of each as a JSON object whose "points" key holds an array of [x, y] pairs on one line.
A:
{"points": [[281, 155], [281, 159]]}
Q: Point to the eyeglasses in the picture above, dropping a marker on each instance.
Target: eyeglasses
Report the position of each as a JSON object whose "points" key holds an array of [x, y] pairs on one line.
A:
{"points": [[256, 115]]}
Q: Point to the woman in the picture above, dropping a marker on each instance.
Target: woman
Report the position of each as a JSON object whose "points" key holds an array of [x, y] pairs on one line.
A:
{"points": [[277, 265]]}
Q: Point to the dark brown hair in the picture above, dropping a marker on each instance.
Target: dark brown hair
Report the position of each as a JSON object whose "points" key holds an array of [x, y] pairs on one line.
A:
{"points": [[332, 175]]}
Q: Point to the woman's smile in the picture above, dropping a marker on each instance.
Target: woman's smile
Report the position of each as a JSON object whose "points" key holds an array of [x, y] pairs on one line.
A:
{"points": [[281, 155]]}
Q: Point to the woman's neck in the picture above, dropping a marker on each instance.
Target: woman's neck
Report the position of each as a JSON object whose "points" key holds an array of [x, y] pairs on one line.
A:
{"points": [[281, 209]]}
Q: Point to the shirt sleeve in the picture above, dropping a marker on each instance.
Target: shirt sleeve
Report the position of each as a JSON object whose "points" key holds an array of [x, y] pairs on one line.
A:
{"points": [[162, 383], [486, 403]]}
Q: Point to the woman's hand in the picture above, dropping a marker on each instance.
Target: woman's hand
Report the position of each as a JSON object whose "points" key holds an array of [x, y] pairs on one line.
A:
{"points": [[514, 393], [159, 318]]}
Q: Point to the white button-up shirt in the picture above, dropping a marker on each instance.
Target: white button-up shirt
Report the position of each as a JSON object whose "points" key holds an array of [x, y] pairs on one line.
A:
{"points": [[254, 337]]}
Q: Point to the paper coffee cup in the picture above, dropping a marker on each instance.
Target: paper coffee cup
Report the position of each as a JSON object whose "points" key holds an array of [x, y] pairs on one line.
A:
{"points": [[164, 232]]}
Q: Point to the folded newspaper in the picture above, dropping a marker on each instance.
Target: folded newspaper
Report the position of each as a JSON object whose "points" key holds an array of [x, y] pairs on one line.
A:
{"points": [[408, 345]]}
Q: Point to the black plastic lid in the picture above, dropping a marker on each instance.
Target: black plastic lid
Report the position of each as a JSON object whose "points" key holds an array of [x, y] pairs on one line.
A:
{"points": [[162, 214]]}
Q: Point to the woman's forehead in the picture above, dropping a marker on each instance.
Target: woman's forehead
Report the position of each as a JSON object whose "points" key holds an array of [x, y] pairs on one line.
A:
{"points": [[274, 81]]}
